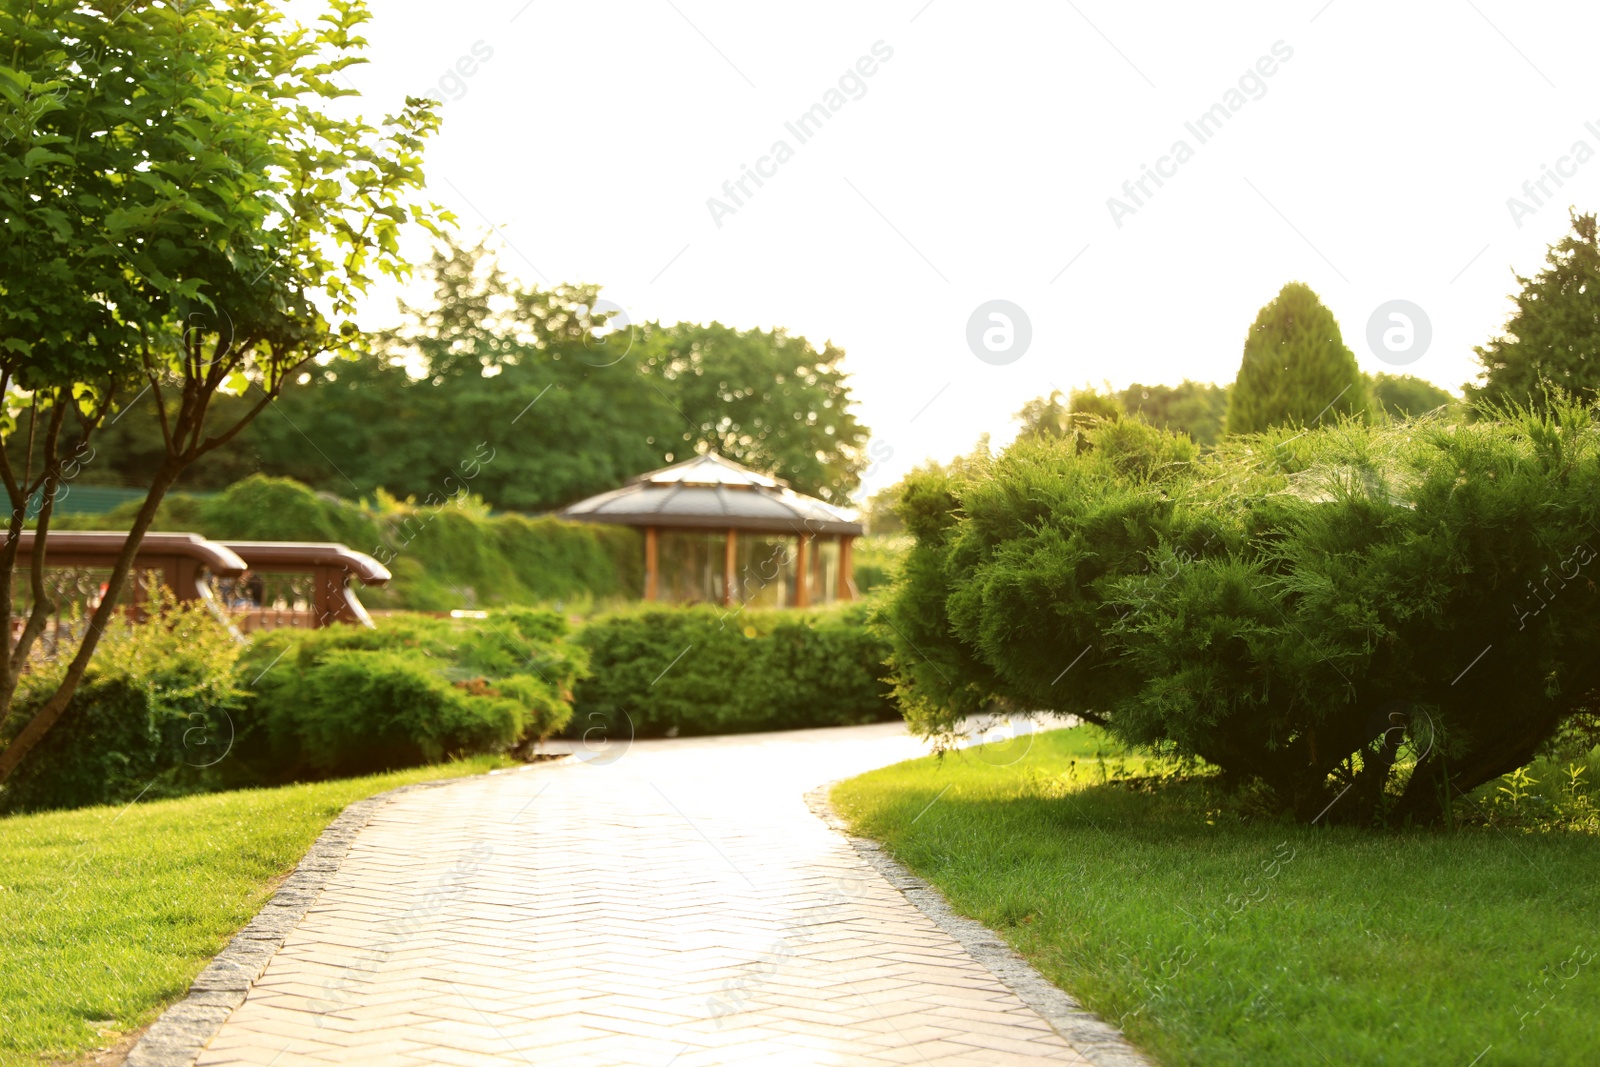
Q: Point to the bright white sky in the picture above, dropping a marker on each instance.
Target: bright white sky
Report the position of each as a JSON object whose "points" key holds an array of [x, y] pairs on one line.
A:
{"points": [[977, 166]]}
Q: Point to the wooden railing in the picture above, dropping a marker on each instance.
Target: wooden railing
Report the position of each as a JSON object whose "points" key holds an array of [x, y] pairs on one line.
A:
{"points": [[254, 585]]}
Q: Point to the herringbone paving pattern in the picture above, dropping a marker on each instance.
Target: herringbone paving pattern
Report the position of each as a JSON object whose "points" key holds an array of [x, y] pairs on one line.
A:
{"points": [[679, 907]]}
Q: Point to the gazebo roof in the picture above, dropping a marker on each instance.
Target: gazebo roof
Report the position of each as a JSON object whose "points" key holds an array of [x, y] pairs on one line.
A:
{"points": [[709, 492]]}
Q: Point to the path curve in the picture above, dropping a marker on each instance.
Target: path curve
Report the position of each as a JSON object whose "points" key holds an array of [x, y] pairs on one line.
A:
{"points": [[678, 907]]}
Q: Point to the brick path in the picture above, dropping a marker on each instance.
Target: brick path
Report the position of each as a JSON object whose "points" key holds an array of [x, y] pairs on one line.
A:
{"points": [[678, 907]]}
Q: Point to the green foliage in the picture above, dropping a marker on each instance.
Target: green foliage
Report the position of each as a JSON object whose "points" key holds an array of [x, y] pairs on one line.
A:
{"points": [[878, 515], [703, 670], [1293, 607], [152, 718], [1552, 340], [184, 214], [1403, 396], [761, 398], [445, 555], [878, 560], [216, 189], [1054, 416], [884, 516], [180, 212], [267, 509], [569, 399], [1047, 416], [354, 712], [171, 706], [349, 700], [1558, 790], [1296, 369], [1194, 408]]}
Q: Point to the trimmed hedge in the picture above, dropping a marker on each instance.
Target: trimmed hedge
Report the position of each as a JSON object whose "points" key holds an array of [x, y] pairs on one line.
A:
{"points": [[445, 553], [347, 700], [664, 671], [176, 706]]}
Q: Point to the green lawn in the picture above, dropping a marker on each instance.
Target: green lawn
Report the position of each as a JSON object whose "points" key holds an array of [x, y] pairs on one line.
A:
{"points": [[107, 914], [1218, 941]]}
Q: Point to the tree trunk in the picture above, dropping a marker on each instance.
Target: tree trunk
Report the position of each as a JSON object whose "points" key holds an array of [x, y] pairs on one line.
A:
{"points": [[1437, 780], [47, 716]]}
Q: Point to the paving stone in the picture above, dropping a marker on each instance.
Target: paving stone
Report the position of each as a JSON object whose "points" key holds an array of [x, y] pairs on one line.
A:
{"points": [[682, 905]]}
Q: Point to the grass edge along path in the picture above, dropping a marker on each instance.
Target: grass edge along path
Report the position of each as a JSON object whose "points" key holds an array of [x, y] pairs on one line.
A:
{"points": [[1216, 941], [108, 913]]}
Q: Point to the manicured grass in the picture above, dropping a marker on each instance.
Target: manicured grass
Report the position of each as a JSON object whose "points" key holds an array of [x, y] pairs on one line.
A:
{"points": [[1214, 940], [107, 914]]}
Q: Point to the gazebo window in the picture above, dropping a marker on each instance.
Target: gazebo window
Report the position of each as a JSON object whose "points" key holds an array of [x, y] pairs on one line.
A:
{"points": [[764, 570], [692, 565], [824, 563]]}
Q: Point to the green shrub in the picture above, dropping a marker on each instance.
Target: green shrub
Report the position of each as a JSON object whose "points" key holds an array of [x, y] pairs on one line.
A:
{"points": [[1295, 607], [154, 717], [445, 552], [877, 560], [349, 700], [176, 705], [358, 712], [271, 509], [706, 670]]}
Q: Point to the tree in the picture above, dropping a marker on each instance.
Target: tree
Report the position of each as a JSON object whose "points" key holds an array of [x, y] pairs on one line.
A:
{"points": [[1194, 408], [1553, 338], [1054, 416], [1296, 369], [879, 513], [481, 320], [569, 401], [531, 374], [522, 372], [179, 217], [1045, 416], [1403, 396], [761, 398]]}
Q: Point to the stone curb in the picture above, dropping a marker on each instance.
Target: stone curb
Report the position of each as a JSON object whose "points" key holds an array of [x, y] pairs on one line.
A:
{"points": [[177, 1038], [1093, 1038]]}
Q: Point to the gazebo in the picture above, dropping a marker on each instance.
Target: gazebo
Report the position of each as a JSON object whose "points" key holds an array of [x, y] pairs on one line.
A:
{"points": [[716, 532]]}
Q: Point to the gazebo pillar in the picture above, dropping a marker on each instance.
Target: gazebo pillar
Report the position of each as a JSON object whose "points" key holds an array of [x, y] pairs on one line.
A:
{"points": [[729, 566], [649, 562], [847, 582], [802, 580]]}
